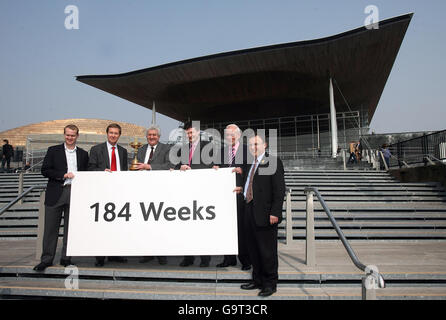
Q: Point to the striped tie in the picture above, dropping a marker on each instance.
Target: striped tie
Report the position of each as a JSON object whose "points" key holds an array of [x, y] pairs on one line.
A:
{"points": [[232, 157], [249, 195]]}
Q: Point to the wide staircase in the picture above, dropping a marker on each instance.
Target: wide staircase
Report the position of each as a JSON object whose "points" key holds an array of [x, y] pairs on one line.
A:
{"points": [[399, 227]]}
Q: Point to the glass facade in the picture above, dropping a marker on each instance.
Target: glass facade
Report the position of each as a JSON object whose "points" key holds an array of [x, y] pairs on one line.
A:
{"points": [[305, 135]]}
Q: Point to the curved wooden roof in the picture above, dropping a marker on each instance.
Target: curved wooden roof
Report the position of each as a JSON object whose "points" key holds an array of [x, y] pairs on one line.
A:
{"points": [[271, 81]]}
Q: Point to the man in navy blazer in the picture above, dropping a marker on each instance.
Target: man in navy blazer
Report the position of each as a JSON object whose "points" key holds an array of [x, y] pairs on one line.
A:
{"points": [[264, 192], [190, 160], [109, 156], [60, 165]]}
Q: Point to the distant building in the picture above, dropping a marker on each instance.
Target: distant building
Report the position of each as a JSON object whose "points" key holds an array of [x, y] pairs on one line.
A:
{"points": [[18, 136]]}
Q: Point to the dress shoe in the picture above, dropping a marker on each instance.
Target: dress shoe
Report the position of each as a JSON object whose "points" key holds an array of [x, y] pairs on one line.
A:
{"points": [[204, 264], [186, 263], [65, 262], [225, 264], [246, 267], [162, 260], [145, 259], [42, 266], [250, 286], [117, 259], [266, 292]]}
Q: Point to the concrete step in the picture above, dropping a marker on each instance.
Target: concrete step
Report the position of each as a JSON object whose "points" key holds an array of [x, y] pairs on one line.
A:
{"points": [[365, 224], [366, 188], [204, 285], [411, 270], [175, 291], [370, 234], [377, 199], [370, 206], [381, 216], [352, 193], [334, 184]]}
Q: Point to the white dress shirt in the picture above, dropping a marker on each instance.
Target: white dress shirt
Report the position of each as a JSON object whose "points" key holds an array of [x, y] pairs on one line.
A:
{"points": [[259, 159], [71, 162], [149, 149], [109, 148]]}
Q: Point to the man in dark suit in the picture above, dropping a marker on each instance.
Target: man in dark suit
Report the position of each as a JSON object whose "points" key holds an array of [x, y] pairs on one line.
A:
{"points": [[192, 159], [60, 164], [7, 154], [264, 191], [109, 156], [235, 154], [154, 156]]}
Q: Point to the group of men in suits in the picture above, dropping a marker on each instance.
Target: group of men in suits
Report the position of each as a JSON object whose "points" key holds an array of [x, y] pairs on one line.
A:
{"points": [[259, 196]]}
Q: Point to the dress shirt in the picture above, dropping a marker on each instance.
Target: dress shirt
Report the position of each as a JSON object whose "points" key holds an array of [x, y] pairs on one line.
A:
{"points": [[192, 150], [149, 149], [71, 162], [235, 147], [109, 148], [259, 159]]}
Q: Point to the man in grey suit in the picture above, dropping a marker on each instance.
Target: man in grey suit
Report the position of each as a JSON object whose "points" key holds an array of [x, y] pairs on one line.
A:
{"points": [[154, 156], [109, 156]]}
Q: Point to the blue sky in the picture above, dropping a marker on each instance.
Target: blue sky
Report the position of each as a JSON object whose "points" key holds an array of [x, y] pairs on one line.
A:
{"points": [[39, 57]]}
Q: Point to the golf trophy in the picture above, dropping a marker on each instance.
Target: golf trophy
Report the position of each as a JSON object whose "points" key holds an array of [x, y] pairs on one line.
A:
{"points": [[135, 145]]}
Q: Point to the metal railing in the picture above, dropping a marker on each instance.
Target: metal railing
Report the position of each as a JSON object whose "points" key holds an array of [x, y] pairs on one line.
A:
{"points": [[20, 197], [372, 280], [414, 151]]}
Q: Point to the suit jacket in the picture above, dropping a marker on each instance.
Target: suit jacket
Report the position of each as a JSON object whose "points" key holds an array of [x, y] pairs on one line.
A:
{"points": [[268, 193], [160, 159], [197, 160], [55, 166], [241, 160], [100, 160], [8, 151]]}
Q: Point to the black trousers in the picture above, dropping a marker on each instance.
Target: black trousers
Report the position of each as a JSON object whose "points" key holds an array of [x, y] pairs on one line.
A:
{"points": [[191, 259], [6, 160], [53, 217], [243, 254], [262, 246]]}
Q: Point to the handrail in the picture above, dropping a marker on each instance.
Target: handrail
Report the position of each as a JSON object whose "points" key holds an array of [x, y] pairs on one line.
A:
{"points": [[350, 251], [384, 160], [430, 157], [33, 166], [20, 196]]}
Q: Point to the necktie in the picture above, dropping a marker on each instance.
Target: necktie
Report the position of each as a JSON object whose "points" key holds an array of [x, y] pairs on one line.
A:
{"points": [[249, 194], [113, 160], [150, 156], [232, 157], [191, 150]]}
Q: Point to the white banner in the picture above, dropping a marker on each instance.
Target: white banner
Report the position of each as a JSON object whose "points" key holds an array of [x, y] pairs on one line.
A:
{"points": [[153, 213]]}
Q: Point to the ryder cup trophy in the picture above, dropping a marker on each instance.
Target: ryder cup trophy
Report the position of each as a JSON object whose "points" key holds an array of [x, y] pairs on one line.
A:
{"points": [[135, 145]]}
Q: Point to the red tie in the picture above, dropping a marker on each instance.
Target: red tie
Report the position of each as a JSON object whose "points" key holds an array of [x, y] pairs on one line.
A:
{"points": [[113, 160]]}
